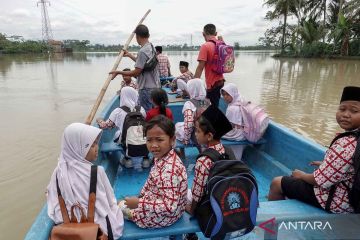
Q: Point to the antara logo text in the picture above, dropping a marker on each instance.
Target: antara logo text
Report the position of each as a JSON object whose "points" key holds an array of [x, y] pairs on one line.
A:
{"points": [[269, 225]]}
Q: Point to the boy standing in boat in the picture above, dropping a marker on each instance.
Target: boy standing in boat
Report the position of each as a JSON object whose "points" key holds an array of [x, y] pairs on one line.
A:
{"points": [[329, 186], [147, 78], [214, 81], [164, 63]]}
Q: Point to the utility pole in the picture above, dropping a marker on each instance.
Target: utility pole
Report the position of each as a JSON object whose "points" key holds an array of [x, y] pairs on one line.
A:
{"points": [[46, 27], [191, 43]]}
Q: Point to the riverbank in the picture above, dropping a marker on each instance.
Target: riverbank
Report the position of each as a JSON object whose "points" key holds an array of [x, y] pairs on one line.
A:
{"points": [[279, 55]]}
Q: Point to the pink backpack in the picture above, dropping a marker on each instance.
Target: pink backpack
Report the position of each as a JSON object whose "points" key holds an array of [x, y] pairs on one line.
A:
{"points": [[255, 121], [224, 59]]}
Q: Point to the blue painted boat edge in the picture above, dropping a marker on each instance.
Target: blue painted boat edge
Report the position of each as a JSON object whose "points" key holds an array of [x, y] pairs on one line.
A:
{"points": [[41, 227]]}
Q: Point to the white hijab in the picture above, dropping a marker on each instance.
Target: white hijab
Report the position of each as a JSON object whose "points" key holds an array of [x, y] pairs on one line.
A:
{"points": [[129, 97], [233, 91], [233, 112], [73, 173], [196, 88]]}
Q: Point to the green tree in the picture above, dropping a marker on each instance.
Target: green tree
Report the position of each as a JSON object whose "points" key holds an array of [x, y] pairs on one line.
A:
{"points": [[236, 46], [282, 8], [311, 31]]}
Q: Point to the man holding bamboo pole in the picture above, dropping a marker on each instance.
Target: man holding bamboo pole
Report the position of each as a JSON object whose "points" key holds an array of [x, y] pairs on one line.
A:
{"points": [[146, 67]]}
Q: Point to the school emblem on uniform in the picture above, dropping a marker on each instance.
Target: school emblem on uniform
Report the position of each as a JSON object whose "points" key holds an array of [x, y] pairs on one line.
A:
{"points": [[233, 200]]}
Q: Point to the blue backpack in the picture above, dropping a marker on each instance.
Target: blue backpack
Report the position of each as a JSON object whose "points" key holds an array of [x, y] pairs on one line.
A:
{"points": [[231, 200]]}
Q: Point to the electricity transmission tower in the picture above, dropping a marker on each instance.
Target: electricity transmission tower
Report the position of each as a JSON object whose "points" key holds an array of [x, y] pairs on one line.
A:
{"points": [[46, 27]]}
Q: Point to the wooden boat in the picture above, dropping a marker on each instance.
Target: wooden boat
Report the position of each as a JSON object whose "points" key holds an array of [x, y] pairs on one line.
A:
{"points": [[282, 151]]}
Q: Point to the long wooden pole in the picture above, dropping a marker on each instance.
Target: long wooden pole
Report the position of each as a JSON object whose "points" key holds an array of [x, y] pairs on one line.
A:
{"points": [[108, 80]]}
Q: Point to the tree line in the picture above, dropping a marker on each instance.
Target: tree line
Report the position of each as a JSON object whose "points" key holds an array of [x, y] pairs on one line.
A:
{"points": [[28, 46], [322, 27], [31, 46]]}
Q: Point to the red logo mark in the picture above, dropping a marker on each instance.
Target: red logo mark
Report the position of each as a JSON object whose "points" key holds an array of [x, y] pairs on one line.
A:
{"points": [[272, 222]]}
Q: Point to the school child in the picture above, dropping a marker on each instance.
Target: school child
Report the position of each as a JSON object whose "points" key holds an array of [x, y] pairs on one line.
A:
{"points": [[197, 92], [209, 128], [232, 97], [79, 148], [162, 200], [180, 81], [328, 186], [128, 81], [160, 100], [128, 101]]}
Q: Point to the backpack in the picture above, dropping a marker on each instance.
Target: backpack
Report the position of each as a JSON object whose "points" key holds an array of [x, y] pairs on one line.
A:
{"points": [[201, 106], [224, 59], [132, 137], [152, 62], [255, 121], [85, 230], [354, 192], [231, 197]]}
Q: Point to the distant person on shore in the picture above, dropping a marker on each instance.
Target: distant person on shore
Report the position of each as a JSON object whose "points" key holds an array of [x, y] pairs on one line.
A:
{"points": [[71, 177], [333, 186], [214, 81], [146, 67], [127, 81], [164, 63], [180, 81]]}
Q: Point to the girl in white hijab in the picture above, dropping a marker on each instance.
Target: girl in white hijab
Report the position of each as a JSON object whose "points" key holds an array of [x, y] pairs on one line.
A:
{"points": [[128, 98], [232, 97], [79, 148], [197, 91]]}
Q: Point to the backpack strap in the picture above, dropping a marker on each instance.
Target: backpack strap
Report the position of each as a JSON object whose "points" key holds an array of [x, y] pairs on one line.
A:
{"points": [[125, 108], [137, 108], [356, 164], [64, 212], [216, 156], [92, 199], [109, 229], [211, 153], [92, 194], [345, 134]]}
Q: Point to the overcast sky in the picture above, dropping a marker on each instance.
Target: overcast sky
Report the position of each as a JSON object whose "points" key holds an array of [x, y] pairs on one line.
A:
{"points": [[111, 21]]}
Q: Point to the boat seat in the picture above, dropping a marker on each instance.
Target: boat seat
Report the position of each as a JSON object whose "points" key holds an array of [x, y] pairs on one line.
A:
{"points": [[108, 147], [286, 210]]}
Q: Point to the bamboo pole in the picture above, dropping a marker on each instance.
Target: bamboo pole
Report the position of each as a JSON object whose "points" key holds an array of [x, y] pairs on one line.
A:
{"points": [[108, 80]]}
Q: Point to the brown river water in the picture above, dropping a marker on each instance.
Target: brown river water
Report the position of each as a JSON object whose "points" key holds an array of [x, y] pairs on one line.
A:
{"points": [[41, 94]]}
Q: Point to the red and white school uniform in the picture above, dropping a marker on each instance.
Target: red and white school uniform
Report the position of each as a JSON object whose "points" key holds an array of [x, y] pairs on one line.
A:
{"points": [[163, 198]]}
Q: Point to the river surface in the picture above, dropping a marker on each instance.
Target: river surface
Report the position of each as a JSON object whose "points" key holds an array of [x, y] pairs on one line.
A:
{"points": [[40, 95]]}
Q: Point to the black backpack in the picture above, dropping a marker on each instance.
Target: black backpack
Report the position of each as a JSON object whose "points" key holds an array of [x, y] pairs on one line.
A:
{"points": [[354, 192], [152, 62], [230, 199], [132, 138]]}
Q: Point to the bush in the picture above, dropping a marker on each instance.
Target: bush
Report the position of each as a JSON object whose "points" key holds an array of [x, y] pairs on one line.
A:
{"points": [[316, 49], [354, 48]]}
